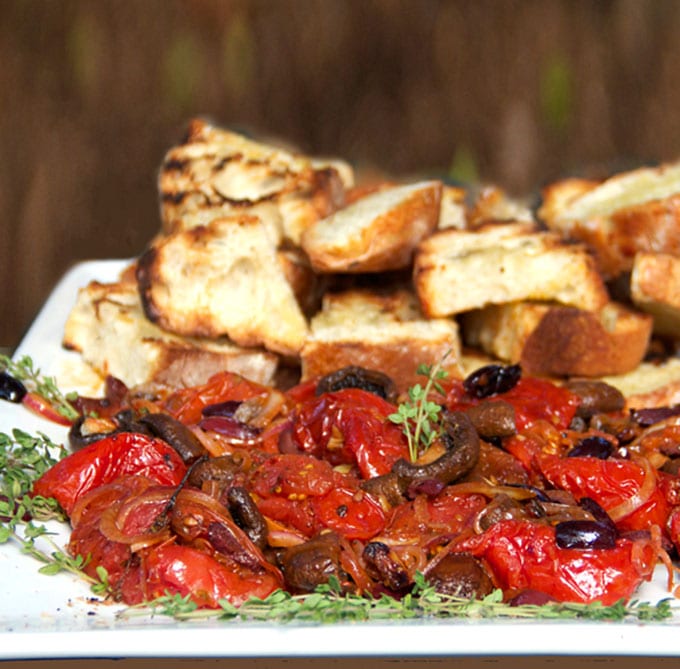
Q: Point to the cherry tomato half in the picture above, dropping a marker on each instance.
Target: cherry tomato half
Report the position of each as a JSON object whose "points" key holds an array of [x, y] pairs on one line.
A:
{"points": [[350, 426], [104, 461], [524, 556]]}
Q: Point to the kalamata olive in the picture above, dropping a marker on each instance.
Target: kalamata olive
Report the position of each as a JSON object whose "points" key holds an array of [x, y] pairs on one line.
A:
{"points": [[227, 409], [531, 597], [230, 427], [597, 512], [585, 534], [353, 376], [492, 380], [650, 416], [592, 447], [11, 389]]}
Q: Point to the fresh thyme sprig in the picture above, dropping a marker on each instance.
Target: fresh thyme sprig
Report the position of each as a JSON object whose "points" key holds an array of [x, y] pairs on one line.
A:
{"points": [[328, 604], [23, 459], [420, 416], [46, 387]]}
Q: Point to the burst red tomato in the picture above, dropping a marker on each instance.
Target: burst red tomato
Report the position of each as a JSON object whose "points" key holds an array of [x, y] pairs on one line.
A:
{"points": [[351, 513], [533, 400], [104, 461], [187, 404], [630, 492], [191, 572], [350, 426], [524, 555]]}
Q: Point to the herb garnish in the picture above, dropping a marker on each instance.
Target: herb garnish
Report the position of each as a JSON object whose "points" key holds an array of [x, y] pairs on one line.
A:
{"points": [[328, 604], [419, 415], [46, 387], [23, 459]]}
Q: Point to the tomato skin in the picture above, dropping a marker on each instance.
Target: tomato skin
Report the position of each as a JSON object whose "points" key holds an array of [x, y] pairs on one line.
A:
{"points": [[533, 399], [293, 476], [351, 513], [350, 426], [187, 404], [104, 461], [446, 514], [524, 555], [609, 482], [188, 571]]}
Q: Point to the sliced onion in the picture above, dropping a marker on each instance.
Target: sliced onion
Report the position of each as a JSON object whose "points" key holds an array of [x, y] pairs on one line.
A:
{"points": [[113, 519], [636, 500], [489, 490], [281, 536]]}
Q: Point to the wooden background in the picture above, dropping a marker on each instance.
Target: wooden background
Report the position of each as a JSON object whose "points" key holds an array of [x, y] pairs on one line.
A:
{"points": [[514, 92]]}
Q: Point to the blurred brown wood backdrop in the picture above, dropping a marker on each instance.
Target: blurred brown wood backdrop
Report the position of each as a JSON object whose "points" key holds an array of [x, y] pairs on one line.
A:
{"points": [[517, 92]]}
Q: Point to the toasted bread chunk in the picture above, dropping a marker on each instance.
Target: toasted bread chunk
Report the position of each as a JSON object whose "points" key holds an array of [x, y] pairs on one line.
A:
{"points": [[375, 233], [107, 326], [383, 331], [453, 211], [459, 270], [223, 279], [655, 288], [494, 204], [650, 384], [550, 340], [632, 211], [216, 173]]}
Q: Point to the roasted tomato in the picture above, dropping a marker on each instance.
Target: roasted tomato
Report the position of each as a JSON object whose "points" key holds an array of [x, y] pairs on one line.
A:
{"points": [[351, 513], [350, 426], [106, 460], [629, 491], [524, 555], [533, 400], [188, 571], [187, 404]]}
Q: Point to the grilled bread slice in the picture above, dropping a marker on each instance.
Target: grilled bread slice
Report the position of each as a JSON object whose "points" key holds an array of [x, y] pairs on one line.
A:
{"points": [[650, 384], [558, 341], [222, 279], [107, 326], [375, 233], [216, 172], [460, 270], [631, 211], [383, 331], [655, 288]]}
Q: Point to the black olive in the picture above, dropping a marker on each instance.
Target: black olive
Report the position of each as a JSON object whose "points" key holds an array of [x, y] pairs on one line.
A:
{"points": [[11, 389], [227, 409], [585, 534], [592, 447], [353, 376], [492, 380], [652, 415]]}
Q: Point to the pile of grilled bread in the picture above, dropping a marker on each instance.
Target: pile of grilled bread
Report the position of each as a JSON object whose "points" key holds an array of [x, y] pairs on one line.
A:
{"points": [[281, 266]]}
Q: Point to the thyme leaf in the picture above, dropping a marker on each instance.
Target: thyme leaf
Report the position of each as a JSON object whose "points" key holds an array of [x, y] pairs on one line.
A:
{"points": [[419, 416], [328, 604]]}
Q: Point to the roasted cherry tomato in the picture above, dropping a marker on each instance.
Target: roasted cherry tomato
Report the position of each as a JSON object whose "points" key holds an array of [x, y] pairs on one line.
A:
{"points": [[350, 426], [629, 491], [293, 476], [351, 513], [104, 461], [188, 571], [533, 399], [524, 556], [187, 404], [422, 519]]}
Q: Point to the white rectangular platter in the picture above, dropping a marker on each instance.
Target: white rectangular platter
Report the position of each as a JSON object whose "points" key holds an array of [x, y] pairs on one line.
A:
{"points": [[57, 617]]}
